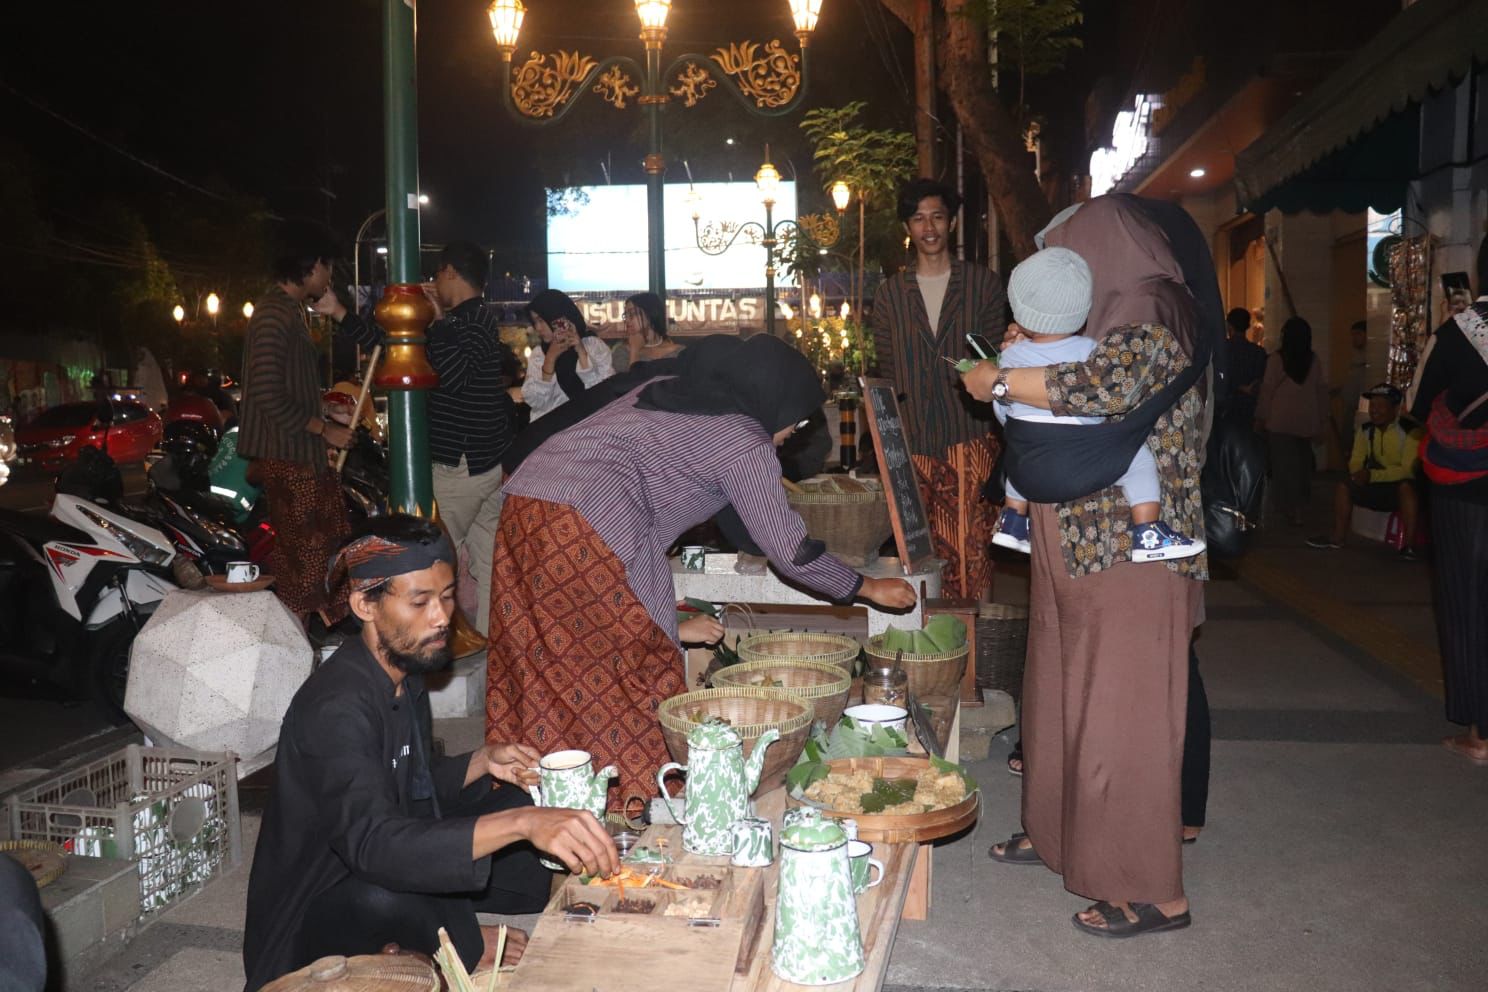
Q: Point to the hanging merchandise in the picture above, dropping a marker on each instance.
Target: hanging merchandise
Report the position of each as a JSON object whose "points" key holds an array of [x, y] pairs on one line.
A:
{"points": [[1410, 323]]}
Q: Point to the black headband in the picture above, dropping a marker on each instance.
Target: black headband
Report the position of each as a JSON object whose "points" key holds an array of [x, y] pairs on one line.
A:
{"points": [[368, 562]]}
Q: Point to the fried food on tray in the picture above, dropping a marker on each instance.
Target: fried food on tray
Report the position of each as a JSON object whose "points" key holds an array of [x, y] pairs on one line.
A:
{"points": [[846, 791]]}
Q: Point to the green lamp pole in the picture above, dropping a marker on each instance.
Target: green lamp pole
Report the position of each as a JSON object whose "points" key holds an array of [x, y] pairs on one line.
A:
{"points": [[766, 79], [403, 312]]}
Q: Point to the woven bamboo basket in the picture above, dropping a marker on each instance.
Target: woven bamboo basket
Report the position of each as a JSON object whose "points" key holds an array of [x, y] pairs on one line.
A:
{"points": [[853, 525], [1002, 646], [820, 683], [929, 674], [800, 645], [44, 860], [750, 711]]}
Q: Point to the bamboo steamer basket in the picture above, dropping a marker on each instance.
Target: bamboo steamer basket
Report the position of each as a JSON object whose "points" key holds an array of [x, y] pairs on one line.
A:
{"points": [[929, 674], [820, 683], [363, 973], [901, 828], [750, 711], [800, 645]]}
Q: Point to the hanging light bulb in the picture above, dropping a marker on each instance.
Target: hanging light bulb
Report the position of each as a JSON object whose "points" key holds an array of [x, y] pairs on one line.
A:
{"points": [[798, 332], [815, 306], [845, 310]]}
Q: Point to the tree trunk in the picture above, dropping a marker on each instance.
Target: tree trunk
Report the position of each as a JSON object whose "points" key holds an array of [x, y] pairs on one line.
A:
{"points": [[961, 57]]}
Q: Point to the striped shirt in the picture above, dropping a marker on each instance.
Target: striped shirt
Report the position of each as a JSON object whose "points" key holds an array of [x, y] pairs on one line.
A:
{"points": [[643, 477], [938, 413], [470, 411], [281, 384]]}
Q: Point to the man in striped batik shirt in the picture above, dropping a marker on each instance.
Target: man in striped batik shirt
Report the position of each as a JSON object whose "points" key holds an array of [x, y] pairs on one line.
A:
{"points": [[921, 316]]}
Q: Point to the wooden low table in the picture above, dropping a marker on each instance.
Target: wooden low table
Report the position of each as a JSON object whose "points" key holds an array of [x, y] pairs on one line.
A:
{"points": [[879, 911]]}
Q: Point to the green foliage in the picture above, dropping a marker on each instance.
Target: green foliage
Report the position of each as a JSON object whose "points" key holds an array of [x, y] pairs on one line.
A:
{"points": [[1033, 36], [887, 792], [846, 740], [872, 162]]}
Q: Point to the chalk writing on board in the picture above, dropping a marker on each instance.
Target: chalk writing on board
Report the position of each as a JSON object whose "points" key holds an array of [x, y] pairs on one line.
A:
{"points": [[906, 509]]}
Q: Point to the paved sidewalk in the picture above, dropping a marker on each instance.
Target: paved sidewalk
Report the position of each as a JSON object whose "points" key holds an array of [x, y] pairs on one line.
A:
{"points": [[1344, 849]]}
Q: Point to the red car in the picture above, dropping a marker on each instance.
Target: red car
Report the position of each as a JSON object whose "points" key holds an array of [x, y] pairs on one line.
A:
{"points": [[55, 437]]}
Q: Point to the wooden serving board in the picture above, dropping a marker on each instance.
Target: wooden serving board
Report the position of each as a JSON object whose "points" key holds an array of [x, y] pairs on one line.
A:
{"points": [[648, 952]]}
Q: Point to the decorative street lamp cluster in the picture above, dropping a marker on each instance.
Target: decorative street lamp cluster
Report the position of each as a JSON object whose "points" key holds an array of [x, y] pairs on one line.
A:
{"points": [[715, 238], [766, 79], [213, 304]]}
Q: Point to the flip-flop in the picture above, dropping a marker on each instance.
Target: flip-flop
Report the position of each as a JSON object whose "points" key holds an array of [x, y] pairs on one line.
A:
{"points": [[1150, 919], [1015, 854], [1450, 743], [1016, 754]]}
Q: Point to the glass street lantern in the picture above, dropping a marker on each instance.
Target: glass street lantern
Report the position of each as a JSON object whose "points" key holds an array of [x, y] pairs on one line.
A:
{"points": [[178, 312], [841, 195], [767, 180], [805, 13], [248, 310], [214, 303], [653, 15], [506, 23]]}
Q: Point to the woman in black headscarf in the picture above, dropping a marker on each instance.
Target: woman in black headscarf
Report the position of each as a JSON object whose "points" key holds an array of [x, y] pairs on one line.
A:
{"points": [[584, 642], [570, 358], [1293, 410]]}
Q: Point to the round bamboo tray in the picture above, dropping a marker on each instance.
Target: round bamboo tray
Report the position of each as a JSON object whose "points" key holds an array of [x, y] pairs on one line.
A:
{"points": [[929, 674], [750, 711], [44, 860], [904, 828], [821, 683], [800, 645]]}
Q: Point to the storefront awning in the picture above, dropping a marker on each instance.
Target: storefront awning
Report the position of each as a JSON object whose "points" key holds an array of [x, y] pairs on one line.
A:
{"points": [[1353, 141]]}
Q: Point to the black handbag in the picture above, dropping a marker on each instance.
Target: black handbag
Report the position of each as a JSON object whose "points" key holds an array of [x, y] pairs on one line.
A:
{"points": [[1233, 485]]}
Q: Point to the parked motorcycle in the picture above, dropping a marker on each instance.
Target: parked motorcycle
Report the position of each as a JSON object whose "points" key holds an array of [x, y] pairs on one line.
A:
{"points": [[76, 588]]}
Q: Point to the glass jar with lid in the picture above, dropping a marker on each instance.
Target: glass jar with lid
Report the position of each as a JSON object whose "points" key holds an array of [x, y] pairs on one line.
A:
{"points": [[888, 686]]}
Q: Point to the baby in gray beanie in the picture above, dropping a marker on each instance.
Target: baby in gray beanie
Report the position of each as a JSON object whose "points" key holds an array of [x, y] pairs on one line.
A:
{"points": [[1050, 293]]}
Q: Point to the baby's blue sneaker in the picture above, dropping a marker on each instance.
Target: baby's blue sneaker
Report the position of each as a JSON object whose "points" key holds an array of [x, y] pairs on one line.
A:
{"points": [[1159, 542], [1012, 531]]}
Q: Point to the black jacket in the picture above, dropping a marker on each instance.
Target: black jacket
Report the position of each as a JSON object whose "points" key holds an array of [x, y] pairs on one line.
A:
{"points": [[354, 786]]}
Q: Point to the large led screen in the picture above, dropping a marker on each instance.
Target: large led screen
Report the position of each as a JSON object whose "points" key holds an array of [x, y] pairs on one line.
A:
{"points": [[597, 237]]}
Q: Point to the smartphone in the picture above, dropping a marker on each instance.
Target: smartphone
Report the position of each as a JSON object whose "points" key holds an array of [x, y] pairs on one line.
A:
{"points": [[980, 345], [1453, 282]]}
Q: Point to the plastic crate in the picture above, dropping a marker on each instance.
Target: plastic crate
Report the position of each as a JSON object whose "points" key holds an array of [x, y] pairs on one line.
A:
{"points": [[173, 811]]}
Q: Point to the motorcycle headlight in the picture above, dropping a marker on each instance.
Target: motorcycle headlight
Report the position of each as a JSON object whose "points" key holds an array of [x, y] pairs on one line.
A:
{"points": [[134, 543]]}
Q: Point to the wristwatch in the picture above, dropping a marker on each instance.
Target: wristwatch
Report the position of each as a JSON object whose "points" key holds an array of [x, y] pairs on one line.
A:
{"points": [[1000, 388]]}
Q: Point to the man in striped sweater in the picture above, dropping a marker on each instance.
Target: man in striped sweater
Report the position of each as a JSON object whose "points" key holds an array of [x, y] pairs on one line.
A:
{"points": [[921, 316], [282, 429], [472, 418]]}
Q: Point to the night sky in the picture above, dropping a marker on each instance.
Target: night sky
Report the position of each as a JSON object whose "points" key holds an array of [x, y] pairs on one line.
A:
{"points": [[282, 101]]}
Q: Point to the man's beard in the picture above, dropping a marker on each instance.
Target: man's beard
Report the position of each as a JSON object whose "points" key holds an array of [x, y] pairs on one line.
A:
{"points": [[416, 659]]}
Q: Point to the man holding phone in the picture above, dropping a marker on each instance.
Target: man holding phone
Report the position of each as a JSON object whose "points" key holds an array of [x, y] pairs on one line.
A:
{"points": [[943, 309]]}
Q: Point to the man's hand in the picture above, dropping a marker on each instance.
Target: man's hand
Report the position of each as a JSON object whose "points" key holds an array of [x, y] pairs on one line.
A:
{"points": [[572, 836], [330, 306], [1361, 477], [700, 630], [980, 380], [891, 594], [336, 435], [513, 763], [432, 295]]}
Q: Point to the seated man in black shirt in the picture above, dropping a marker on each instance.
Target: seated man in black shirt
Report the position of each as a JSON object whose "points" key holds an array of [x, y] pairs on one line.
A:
{"points": [[369, 837]]}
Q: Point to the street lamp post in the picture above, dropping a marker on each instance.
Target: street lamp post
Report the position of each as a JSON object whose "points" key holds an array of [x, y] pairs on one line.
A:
{"points": [[766, 79], [214, 305], [715, 239]]}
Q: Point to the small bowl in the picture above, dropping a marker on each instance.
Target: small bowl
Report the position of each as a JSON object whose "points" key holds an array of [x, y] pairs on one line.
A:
{"points": [[879, 714]]}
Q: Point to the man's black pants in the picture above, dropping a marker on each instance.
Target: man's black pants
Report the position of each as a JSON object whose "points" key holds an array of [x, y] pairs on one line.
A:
{"points": [[358, 917]]}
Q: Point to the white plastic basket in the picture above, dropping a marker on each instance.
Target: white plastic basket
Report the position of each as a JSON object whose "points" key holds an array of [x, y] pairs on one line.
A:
{"points": [[171, 810]]}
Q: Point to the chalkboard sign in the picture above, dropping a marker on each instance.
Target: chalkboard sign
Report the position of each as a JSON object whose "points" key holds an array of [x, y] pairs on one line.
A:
{"points": [[906, 509]]}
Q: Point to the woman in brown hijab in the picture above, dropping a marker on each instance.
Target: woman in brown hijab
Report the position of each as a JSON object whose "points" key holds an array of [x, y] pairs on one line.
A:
{"points": [[1107, 677]]}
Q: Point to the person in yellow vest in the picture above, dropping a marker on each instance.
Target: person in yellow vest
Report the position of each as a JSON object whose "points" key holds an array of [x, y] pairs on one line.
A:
{"points": [[1382, 472]]}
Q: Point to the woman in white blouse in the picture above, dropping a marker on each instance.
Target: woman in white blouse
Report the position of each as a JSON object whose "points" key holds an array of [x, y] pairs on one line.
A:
{"points": [[569, 360]]}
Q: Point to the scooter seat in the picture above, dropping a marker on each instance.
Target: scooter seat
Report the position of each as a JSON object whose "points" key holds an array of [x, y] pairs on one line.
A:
{"points": [[40, 529]]}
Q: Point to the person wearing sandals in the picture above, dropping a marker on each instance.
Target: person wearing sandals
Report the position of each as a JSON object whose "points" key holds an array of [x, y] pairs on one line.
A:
{"points": [[1106, 688]]}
